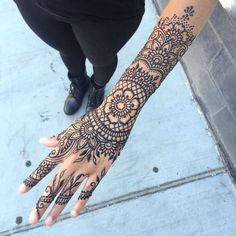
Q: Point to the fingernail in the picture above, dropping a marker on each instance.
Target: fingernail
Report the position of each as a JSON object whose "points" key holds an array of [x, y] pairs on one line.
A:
{"points": [[49, 220], [22, 188], [42, 140], [74, 214], [33, 218]]}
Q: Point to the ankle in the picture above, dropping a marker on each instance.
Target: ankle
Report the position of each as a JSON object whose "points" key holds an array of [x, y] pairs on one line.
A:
{"points": [[95, 84]]}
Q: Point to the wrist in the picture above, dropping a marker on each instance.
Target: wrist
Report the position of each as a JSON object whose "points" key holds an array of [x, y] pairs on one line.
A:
{"points": [[130, 93]]}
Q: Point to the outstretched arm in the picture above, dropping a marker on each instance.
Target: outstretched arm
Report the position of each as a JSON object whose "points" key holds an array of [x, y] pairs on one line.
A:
{"points": [[171, 37], [89, 146]]}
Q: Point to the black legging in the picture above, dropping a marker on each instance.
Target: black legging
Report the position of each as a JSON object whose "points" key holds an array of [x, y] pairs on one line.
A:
{"points": [[99, 42]]}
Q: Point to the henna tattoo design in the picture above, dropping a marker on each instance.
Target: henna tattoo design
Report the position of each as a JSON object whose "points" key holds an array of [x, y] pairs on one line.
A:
{"points": [[104, 132], [50, 192], [169, 41], [69, 190], [88, 193], [43, 169], [47, 165]]}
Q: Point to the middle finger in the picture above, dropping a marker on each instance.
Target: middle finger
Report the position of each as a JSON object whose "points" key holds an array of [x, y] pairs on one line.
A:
{"points": [[48, 196], [73, 183]]}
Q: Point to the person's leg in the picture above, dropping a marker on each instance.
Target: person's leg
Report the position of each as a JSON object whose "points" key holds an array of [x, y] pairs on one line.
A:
{"points": [[57, 34], [101, 41]]}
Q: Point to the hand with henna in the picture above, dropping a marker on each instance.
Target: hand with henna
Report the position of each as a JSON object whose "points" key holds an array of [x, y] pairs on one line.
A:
{"points": [[89, 146]]}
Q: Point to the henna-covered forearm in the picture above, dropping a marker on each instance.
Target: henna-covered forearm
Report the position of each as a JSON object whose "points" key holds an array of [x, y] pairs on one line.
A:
{"points": [[169, 40]]}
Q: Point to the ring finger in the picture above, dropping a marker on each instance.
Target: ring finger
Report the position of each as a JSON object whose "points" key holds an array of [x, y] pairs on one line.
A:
{"points": [[87, 192]]}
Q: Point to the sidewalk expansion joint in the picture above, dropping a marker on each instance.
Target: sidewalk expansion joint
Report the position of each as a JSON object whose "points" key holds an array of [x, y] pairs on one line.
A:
{"points": [[124, 198]]}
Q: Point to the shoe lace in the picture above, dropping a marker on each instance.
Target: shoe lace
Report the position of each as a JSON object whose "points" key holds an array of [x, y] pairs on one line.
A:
{"points": [[75, 91]]}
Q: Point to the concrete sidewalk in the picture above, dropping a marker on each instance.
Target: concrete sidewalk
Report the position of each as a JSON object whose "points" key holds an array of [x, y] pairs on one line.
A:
{"points": [[189, 191]]}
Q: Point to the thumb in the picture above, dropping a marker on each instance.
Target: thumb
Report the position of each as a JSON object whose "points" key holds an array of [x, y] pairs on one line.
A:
{"points": [[49, 142]]}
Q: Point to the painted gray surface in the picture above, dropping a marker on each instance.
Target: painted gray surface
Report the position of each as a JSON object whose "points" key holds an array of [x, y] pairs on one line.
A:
{"points": [[169, 134], [211, 67]]}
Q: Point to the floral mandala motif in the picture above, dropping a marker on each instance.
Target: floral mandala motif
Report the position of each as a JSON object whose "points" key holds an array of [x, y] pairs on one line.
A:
{"points": [[87, 133], [122, 106], [109, 149], [159, 56], [170, 39], [176, 32]]}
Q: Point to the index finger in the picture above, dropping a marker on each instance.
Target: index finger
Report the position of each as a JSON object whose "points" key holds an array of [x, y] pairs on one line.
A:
{"points": [[56, 156], [45, 167]]}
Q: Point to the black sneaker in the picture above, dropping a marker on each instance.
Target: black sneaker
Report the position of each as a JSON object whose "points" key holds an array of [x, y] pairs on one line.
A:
{"points": [[78, 88], [95, 97]]}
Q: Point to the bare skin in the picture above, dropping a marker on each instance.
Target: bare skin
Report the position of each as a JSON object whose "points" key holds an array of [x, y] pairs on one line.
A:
{"points": [[88, 147]]}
